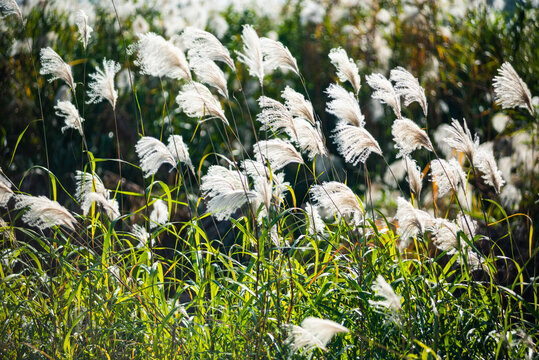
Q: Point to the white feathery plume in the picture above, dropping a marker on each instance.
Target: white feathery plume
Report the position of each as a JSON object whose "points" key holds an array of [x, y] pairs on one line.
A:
{"points": [[86, 183], [446, 233], [71, 115], [309, 139], [152, 154], [277, 152], [179, 151], [354, 143], [395, 173], [140, 233], [467, 225], [313, 333], [81, 19], [276, 117], [202, 44], [447, 175], [484, 162], [109, 205], [316, 224], [391, 300], [159, 214], [407, 86], [408, 136], [44, 213], [415, 176], [344, 106], [509, 89], [384, 92], [52, 64], [275, 55], [460, 139], [411, 222], [8, 7], [297, 105], [224, 205], [511, 197], [5, 191], [196, 100], [346, 68], [102, 83], [252, 55], [209, 73], [440, 135], [159, 57], [336, 198], [220, 180], [255, 168]]}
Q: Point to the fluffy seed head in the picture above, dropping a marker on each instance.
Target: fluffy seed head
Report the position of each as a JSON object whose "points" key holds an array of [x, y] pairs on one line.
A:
{"points": [[81, 19], [315, 222], [344, 106], [447, 175], [71, 115], [220, 180], [509, 89], [415, 176], [409, 137], [297, 105], [110, 206], [8, 7], [275, 55], [460, 139], [354, 143], [159, 214], [313, 333], [152, 154], [309, 139], [160, 58], [44, 213], [346, 68], [391, 300], [209, 73], [252, 55], [5, 191], [102, 83], [86, 183], [52, 64], [411, 222], [384, 92], [275, 117], [202, 44], [179, 150], [196, 100], [484, 161], [336, 198], [407, 86], [277, 152]]}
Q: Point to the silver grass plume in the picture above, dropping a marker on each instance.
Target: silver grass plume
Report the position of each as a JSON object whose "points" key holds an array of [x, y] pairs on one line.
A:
{"points": [[8, 7], [252, 55], [209, 73], [460, 139], [52, 64], [275, 117], [224, 205], [297, 105], [411, 222], [255, 168], [110, 206], [313, 333], [5, 191], [391, 300], [220, 180], [407, 86], [446, 233], [384, 92], [316, 224], [415, 176], [71, 115], [337, 198], [278, 153], [159, 214], [102, 83], [159, 57], [202, 44], [346, 68], [81, 19], [179, 151], [354, 143], [152, 154], [309, 139], [511, 197], [408, 136], [86, 183], [467, 225], [275, 55], [484, 161], [509, 89], [344, 106], [447, 175], [196, 100], [44, 213]]}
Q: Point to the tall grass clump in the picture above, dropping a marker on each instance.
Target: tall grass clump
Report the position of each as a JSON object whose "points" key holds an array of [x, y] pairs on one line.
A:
{"points": [[231, 200]]}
